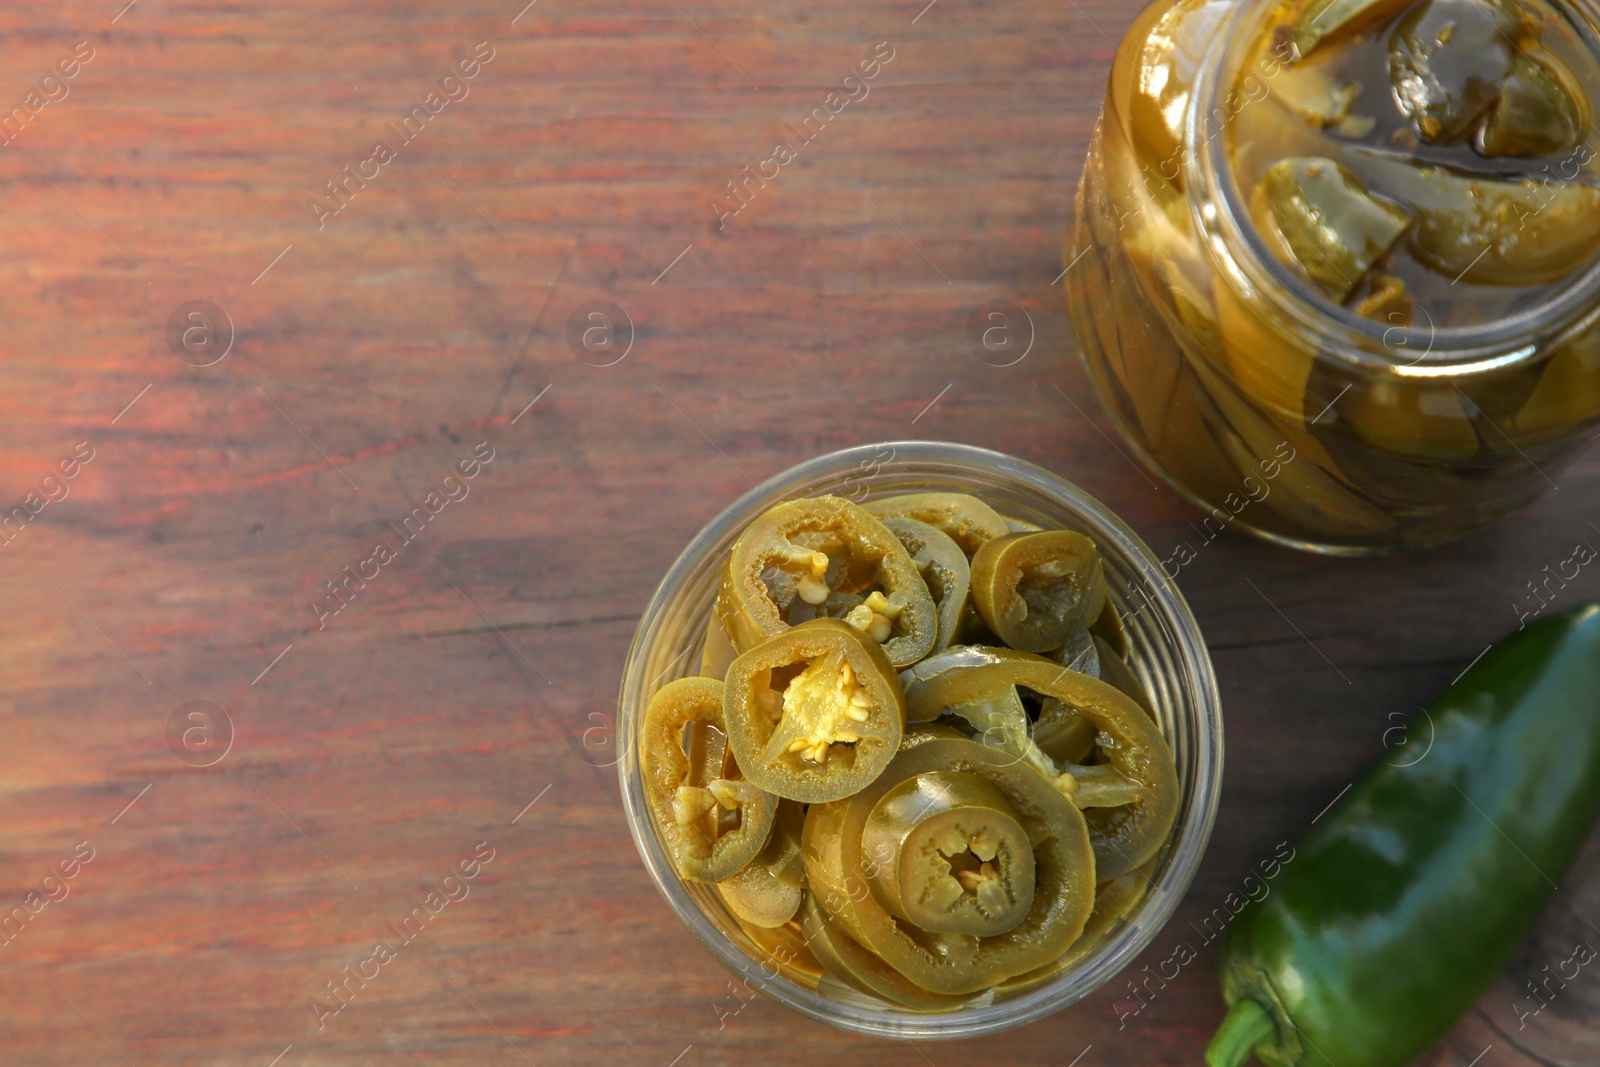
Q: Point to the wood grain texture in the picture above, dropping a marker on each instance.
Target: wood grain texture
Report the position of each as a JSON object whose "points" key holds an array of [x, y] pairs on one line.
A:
{"points": [[372, 755]]}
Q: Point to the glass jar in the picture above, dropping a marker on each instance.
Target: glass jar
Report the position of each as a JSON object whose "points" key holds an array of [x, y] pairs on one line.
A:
{"points": [[1166, 652], [1271, 408]]}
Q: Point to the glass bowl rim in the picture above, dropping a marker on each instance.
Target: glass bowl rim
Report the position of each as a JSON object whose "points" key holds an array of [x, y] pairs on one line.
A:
{"points": [[1205, 718]]}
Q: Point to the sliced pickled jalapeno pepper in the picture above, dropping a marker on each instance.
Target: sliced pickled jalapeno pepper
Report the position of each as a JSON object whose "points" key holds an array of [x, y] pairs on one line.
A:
{"points": [[944, 569], [788, 946], [1064, 735], [711, 820], [861, 968], [1327, 20], [822, 847], [766, 891], [821, 548], [1112, 901], [952, 963], [1115, 670], [1079, 654], [883, 807], [993, 716], [1491, 232], [1447, 59], [1129, 792], [1538, 112], [968, 521], [815, 713], [1321, 214], [1108, 627], [718, 650], [962, 862], [1035, 590], [1475, 131]]}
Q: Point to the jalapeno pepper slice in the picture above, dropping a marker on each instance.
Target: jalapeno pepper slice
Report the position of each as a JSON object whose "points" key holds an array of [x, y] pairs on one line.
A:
{"points": [[787, 946], [1108, 628], [825, 552], [1064, 735], [1319, 217], [1112, 901], [838, 866], [1538, 112], [1079, 654], [815, 713], [1115, 671], [1323, 20], [968, 521], [994, 716], [1035, 590], [711, 821], [944, 569], [1447, 59], [962, 862], [766, 891], [860, 968], [717, 652], [1129, 790]]}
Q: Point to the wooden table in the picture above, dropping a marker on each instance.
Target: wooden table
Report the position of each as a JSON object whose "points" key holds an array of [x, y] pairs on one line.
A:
{"points": [[435, 715]]}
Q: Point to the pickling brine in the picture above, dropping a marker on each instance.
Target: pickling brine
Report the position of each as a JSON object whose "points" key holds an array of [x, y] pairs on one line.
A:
{"points": [[1336, 262]]}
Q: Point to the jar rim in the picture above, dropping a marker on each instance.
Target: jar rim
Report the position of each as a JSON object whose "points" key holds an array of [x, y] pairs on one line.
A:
{"points": [[1216, 206], [1200, 715]]}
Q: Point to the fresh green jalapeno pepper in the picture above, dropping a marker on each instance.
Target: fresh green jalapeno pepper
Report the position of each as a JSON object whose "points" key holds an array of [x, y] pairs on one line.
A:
{"points": [[1130, 792], [1407, 897], [766, 891], [840, 868], [815, 713], [820, 548], [1035, 590], [711, 823], [968, 521], [944, 569]]}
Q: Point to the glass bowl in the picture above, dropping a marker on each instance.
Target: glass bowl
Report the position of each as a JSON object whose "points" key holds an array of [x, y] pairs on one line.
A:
{"points": [[1167, 653]]}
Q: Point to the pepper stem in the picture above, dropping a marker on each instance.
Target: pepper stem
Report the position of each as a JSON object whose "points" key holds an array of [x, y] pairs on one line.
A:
{"points": [[1248, 1024]]}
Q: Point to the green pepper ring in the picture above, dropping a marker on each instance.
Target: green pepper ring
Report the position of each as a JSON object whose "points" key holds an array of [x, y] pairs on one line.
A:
{"points": [[958, 964], [745, 605], [861, 968], [665, 767], [748, 698], [1124, 837]]}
